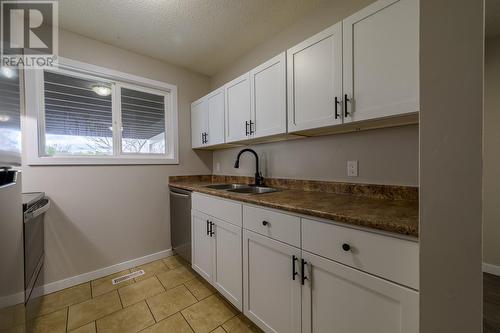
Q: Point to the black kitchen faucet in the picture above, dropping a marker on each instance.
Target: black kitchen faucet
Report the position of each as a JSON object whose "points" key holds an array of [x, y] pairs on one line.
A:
{"points": [[259, 180]]}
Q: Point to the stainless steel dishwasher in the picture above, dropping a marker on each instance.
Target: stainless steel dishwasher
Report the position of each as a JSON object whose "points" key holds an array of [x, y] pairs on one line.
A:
{"points": [[180, 222]]}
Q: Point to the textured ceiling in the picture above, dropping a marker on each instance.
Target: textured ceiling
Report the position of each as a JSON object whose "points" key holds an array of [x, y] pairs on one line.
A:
{"points": [[202, 35], [492, 18]]}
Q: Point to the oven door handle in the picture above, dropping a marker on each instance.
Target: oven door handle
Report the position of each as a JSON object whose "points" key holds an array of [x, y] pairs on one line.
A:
{"points": [[177, 194], [39, 211]]}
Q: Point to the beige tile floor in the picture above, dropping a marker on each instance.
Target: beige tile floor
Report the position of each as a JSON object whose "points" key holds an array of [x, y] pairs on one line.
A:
{"points": [[169, 298]]}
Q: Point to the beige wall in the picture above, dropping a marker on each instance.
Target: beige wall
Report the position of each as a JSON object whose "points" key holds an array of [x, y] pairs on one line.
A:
{"points": [[491, 176], [387, 156], [104, 215], [451, 74]]}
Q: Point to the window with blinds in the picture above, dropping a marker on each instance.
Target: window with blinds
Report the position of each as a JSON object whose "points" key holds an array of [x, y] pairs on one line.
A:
{"points": [[88, 116], [78, 121], [143, 122], [10, 111]]}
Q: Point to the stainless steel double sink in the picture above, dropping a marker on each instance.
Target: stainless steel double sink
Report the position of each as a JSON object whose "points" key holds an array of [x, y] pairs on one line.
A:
{"points": [[244, 189]]}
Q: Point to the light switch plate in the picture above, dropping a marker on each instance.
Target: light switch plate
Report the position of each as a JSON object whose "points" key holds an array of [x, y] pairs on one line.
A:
{"points": [[352, 168]]}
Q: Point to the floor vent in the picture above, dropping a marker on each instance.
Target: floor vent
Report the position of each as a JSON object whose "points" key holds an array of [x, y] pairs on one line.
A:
{"points": [[127, 277]]}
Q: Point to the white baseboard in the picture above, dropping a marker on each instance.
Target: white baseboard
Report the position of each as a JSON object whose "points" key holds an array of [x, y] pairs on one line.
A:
{"points": [[6, 301], [491, 269], [86, 277]]}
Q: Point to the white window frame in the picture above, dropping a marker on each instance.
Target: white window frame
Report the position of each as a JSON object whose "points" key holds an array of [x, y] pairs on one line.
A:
{"points": [[34, 127]]}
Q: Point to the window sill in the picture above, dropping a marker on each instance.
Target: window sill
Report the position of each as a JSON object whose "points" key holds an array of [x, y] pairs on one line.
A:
{"points": [[125, 160]]}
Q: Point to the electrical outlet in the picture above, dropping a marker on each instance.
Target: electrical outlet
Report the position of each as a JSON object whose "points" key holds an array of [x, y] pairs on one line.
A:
{"points": [[352, 168], [217, 166]]}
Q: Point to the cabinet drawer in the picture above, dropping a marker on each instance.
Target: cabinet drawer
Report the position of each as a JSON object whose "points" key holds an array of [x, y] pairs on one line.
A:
{"points": [[282, 227], [388, 257], [225, 210]]}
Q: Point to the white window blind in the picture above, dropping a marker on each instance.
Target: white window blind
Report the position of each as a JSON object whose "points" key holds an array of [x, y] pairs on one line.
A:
{"points": [[77, 120], [143, 122], [10, 114]]}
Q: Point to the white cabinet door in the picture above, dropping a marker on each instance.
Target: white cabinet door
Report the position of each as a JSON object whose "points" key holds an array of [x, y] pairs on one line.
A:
{"points": [[228, 262], [314, 79], [199, 122], [339, 299], [238, 109], [268, 92], [216, 105], [381, 60], [202, 245], [271, 296]]}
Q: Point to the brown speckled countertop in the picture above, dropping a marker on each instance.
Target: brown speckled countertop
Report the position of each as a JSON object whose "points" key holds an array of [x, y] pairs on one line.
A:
{"points": [[387, 208]]}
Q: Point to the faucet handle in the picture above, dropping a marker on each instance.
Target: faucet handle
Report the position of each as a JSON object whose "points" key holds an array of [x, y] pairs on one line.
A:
{"points": [[259, 180]]}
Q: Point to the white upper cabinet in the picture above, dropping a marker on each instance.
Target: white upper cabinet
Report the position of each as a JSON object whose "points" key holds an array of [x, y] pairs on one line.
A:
{"points": [[207, 120], [256, 102], [314, 81], [215, 106], [381, 60], [268, 97], [337, 298], [199, 123], [238, 115], [365, 67]]}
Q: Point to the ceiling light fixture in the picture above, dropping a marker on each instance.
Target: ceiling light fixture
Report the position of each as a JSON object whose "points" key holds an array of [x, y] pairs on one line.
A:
{"points": [[7, 72], [101, 90], [4, 118]]}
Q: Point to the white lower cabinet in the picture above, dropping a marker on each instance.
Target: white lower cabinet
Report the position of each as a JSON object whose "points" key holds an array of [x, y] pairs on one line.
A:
{"points": [[228, 274], [271, 293], [340, 299], [201, 245], [294, 275], [216, 255]]}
